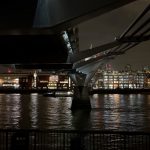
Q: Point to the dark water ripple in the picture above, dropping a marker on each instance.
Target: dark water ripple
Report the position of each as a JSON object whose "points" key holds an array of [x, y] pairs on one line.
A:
{"points": [[130, 112]]}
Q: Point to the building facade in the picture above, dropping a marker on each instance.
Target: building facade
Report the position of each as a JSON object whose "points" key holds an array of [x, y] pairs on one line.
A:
{"points": [[35, 81], [126, 79]]}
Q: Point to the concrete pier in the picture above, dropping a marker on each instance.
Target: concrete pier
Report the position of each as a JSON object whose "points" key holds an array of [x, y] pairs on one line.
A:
{"points": [[81, 99]]}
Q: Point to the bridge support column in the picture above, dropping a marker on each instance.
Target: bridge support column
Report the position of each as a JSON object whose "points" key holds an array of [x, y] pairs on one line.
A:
{"points": [[81, 99]]}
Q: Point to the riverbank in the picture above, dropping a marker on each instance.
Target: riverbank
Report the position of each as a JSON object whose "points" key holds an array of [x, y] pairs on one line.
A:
{"points": [[44, 92], [91, 92], [23, 91], [120, 91]]}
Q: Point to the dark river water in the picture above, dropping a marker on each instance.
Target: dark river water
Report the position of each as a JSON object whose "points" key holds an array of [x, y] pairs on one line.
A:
{"points": [[129, 112]]}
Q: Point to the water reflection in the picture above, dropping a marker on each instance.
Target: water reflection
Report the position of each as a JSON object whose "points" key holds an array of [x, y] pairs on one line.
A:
{"points": [[34, 110], [109, 111], [121, 112], [54, 113], [81, 119], [10, 112]]}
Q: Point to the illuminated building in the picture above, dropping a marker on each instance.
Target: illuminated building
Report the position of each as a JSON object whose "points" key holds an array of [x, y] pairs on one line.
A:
{"points": [[36, 81], [126, 79], [60, 82]]}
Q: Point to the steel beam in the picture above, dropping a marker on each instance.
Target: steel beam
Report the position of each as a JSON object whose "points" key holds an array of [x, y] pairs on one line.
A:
{"points": [[62, 14], [66, 13], [89, 52], [83, 63]]}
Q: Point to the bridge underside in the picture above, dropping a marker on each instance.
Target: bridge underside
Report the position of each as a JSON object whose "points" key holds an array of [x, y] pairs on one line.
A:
{"points": [[30, 29], [24, 49], [56, 14]]}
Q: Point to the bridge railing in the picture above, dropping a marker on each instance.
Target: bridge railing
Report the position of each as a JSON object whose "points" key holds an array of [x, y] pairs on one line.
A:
{"points": [[73, 140]]}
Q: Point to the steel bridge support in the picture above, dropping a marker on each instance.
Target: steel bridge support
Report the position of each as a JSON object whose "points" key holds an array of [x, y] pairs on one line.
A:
{"points": [[81, 99]]}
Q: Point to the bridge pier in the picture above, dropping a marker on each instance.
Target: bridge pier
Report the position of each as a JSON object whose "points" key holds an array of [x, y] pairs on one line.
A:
{"points": [[81, 99]]}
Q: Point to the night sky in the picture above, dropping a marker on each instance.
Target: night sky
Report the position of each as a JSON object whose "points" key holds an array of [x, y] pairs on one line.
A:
{"points": [[105, 28]]}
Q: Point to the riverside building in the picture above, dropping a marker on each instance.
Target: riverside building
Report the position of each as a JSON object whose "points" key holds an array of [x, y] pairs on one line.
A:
{"points": [[126, 79], [35, 81]]}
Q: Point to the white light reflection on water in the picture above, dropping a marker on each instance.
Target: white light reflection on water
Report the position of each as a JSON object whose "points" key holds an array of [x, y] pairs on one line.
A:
{"points": [[34, 110], [109, 111], [10, 110], [129, 112], [58, 112]]}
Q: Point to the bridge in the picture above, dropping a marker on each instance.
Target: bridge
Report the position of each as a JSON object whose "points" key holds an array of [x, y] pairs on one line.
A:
{"points": [[40, 34]]}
